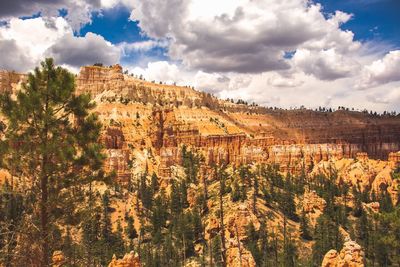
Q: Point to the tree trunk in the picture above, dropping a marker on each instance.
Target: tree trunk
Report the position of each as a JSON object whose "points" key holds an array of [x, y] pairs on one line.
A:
{"points": [[44, 220], [239, 247], [205, 191], [222, 227]]}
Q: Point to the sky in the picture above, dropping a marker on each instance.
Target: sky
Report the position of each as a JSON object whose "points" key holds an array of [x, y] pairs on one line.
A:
{"points": [[287, 54]]}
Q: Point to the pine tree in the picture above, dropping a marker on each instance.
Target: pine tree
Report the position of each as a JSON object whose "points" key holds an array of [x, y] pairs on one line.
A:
{"points": [[327, 236], [288, 206], [58, 143], [255, 190], [304, 227], [130, 231], [91, 233], [11, 213], [289, 248], [235, 192], [220, 172]]}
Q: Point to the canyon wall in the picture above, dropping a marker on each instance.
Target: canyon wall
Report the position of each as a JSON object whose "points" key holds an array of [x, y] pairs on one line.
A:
{"points": [[173, 116], [160, 119]]}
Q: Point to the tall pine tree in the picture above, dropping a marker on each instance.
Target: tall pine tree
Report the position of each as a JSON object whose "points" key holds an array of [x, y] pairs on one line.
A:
{"points": [[53, 140]]}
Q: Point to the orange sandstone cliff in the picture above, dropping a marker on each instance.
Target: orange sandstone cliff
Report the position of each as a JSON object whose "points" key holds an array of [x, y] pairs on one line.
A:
{"points": [[161, 118]]}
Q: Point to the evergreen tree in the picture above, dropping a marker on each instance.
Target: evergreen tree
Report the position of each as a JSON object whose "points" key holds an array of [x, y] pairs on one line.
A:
{"points": [[220, 172], [130, 230], [58, 145], [191, 163], [385, 201], [327, 236], [11, 214], [287, 205], [91, 234], [304, 227]]}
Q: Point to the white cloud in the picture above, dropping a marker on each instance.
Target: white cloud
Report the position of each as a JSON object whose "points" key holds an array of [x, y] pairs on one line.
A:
{"points": [[31, 38], [235, 49], [325, 64], [12, 60], [381, 71], [284, 80], [26, 42], [159, 71], [79, 51], [79, 11], [241, 36]]}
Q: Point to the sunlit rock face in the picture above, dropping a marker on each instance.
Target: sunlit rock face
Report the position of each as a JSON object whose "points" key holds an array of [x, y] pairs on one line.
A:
{"points": [[351, 255], [222, 136], [156, 120], [129, 260]]}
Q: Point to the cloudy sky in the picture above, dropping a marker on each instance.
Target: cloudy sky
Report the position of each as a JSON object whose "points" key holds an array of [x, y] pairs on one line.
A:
{"points": [[275, 53]]}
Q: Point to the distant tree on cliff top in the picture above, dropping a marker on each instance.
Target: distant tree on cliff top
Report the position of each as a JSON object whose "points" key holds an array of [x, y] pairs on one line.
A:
{"points": [[52, 139]]}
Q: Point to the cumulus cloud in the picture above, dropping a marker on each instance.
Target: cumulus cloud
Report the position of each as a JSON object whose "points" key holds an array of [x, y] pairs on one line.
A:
{"points": [[79, 11], [284, 80], [381, 71], [241, 36], [25, 43], [29, 39], [79, 51], [160, 71], [262, 51], [325, 64], [14, 58]]}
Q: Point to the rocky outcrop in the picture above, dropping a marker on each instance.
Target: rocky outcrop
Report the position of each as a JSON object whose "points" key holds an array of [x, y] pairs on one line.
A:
{"points": [[129, 260], [371, 207], [351, 255], [94, 79], [58, 259], [313, 206], [10, 79], [242, 257], [237, 219], [367, 174]]}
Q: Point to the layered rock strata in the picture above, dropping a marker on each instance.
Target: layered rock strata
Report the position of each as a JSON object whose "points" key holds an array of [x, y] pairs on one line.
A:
{"points": [[162, 118]]}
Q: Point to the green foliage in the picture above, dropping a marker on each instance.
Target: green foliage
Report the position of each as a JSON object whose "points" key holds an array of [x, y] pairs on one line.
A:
{"points": [[327, 236], [59, 154], [11, 214], [191, 164], [304, 227], [238, 192]]}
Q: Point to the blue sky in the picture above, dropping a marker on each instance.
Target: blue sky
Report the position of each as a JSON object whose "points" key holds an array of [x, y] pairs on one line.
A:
{"points": [[373, 20], [273, 52]]}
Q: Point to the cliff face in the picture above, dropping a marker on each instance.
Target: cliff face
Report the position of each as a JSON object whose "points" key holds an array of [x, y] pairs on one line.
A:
{"points": [[143, 115], [165, 117]]}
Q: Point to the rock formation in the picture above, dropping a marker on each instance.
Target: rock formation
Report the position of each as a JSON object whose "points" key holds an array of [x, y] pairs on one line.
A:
{"points": [[58, 259], [9, 80], [129, 260], [164, 117], [351, 255], [241, 258], [313, 206]]}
